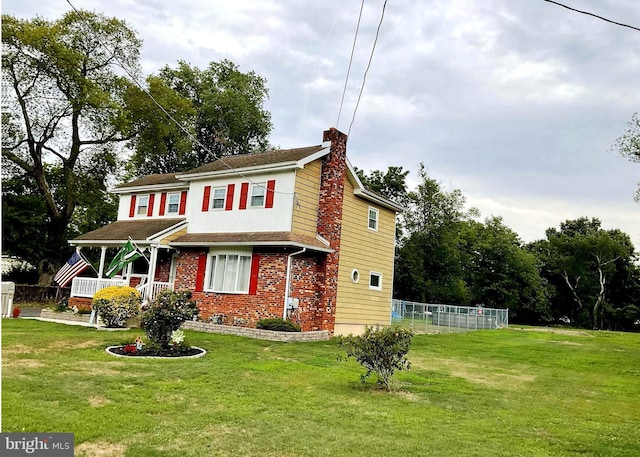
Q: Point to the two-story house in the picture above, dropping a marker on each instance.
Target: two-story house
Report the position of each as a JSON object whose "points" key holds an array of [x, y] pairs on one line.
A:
{"points": [[287, 233]]}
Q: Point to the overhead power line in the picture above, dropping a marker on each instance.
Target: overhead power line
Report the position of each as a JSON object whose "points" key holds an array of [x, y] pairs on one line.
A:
{"points": [[594, 15], [364, 78], [355, 38]]}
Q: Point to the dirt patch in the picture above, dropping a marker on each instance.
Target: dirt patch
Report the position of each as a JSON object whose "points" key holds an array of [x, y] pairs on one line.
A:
{"points": [[559, 331], [100, 449], [22, 363], [406, 395], [477, 373], [98, 401], [99, 368], [19, 349], [566, 343]]}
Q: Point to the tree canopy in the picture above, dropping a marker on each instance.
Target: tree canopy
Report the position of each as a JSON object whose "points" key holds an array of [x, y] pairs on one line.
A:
{"points": [[220, 110], [629, 144], [64, 112]]}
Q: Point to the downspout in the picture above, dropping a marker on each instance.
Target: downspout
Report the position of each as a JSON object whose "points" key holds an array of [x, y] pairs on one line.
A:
{"points": [[288, 282]]}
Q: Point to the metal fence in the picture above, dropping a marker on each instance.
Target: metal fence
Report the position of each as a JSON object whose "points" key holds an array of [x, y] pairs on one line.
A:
{"points": [[435, 318]]}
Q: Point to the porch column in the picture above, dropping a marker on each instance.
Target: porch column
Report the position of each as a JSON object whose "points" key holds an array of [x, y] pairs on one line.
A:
{"points": [[153, 259], [129, 271], [103, 255]]}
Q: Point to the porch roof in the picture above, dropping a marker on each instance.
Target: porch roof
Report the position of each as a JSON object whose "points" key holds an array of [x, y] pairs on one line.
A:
{"points": [[117, 233], [252, 239]]}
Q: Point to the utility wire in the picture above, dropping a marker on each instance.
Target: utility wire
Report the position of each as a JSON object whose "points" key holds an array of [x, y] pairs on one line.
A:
{"points": [[353, 48], [189, 134], [364, 78], [594, 15]]}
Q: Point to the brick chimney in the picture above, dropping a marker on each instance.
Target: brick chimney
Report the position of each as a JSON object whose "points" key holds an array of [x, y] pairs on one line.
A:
{"points": [[333, 175]]}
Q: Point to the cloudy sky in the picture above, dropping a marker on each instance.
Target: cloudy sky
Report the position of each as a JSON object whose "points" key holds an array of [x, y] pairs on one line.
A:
{"points": [[516, 103]]}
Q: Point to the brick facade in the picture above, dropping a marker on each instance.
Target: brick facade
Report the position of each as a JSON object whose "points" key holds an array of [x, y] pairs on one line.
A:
{"points": [[268, 302]]}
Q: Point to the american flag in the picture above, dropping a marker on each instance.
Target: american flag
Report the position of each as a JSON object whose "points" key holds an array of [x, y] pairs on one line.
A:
{"points": [[74, 266]]}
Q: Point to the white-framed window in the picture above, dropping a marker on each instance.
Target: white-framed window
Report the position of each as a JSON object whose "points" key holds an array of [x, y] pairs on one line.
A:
{"points": [[373, 219], [142, 205], [173, 203], [218, 197], [228, 271], [375, 280], [258, 191], [355, 276]]}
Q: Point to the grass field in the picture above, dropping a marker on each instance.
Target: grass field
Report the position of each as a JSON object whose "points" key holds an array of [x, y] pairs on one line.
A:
{"points": [[487, 393]]}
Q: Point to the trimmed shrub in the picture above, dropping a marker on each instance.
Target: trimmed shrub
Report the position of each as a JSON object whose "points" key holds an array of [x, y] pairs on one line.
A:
{"points": [[381, 350], [115, 304], [278, 325], [166, 314]]}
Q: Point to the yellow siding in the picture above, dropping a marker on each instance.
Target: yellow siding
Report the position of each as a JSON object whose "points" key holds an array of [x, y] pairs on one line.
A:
{"points": [[305, 205], [365, 250]]}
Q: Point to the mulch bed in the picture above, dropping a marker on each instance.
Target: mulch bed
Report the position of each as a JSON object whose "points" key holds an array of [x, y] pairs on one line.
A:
{"points": [[155, 352]]}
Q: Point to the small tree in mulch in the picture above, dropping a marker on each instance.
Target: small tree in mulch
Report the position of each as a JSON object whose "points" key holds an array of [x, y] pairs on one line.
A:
{"points": [[166, 314], [381, 350], [116, 304]]}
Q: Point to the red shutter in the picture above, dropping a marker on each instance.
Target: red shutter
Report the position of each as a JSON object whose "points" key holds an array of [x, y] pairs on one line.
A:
{"points": [[205, 198], [163, 202], [253, 278], [183, 202], [244, 191], [229, 204], [271, 185], [152, 197], [132, 206], [202, 266]]}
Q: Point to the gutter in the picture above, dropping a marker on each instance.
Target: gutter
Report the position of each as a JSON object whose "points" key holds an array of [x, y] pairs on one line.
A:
{"points": [[288, 282]]}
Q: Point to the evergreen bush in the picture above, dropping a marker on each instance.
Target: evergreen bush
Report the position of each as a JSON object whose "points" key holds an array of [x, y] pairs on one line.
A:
{"points": [[115, 304], [278, 325], [381, 350]]}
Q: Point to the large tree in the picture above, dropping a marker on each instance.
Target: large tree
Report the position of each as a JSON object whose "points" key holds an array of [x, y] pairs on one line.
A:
{"points": [[64, 110], [629, 144], [220, 111], [500, 273], [582, 259], [428, 264]]}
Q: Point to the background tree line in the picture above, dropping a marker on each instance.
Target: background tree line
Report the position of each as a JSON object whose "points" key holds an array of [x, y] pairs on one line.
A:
{"points": [[69, 112], [579, 274]]}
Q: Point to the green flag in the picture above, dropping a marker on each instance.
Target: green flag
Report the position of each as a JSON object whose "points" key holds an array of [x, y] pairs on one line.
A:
{"points": [[127, 254]]}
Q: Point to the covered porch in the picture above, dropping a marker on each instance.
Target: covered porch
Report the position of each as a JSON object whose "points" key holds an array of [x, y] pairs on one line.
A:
{"points": [[150, 274]]}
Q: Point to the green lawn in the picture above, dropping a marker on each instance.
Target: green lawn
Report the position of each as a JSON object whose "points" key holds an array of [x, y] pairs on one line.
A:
{"points": [[486, 393]]}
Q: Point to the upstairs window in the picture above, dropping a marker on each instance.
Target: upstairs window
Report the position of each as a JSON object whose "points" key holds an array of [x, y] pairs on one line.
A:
{"points": [[219, 197], [373, 219], [142, 205], [375, 280], [173, 203], [257, 195]]}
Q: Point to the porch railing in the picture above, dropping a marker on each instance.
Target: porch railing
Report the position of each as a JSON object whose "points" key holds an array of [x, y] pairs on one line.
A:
{"points": [[87, 287], [149, 293]]}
